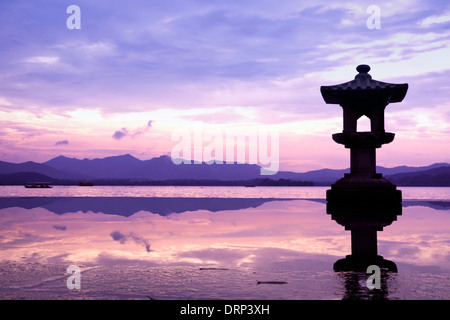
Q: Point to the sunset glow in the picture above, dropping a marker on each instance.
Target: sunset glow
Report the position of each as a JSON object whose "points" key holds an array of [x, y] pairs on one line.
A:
{"points": [[92, 92]]}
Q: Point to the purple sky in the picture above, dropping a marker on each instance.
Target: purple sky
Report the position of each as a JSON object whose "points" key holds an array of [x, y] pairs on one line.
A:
{"points": [[138, 70]]}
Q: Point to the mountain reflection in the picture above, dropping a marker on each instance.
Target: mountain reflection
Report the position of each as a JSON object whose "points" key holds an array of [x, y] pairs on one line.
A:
{"points": [[210, 248], [127, 206]]}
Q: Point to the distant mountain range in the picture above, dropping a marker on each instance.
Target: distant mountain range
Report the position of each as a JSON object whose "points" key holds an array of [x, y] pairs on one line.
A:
{"points": [[128, 169]]}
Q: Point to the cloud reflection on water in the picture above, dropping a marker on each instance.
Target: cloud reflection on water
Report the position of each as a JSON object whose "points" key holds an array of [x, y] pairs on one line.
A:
{"points": [[229, 233]]}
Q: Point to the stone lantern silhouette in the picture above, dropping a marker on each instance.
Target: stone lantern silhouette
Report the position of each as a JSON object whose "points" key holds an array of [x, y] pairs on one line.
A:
{"points": [[363, 201]]}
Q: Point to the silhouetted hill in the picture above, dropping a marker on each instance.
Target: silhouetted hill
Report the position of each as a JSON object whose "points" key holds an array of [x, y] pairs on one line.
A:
{"points": [[406, 169], [21, 178], [162, 168], [328, 176], [159, 168], [322, 176], [30, 166], [110, 167], [127, 169], [436, 177]]}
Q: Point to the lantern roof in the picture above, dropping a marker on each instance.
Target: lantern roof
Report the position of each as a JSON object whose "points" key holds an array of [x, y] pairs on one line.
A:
{"points": [[363, 86]]}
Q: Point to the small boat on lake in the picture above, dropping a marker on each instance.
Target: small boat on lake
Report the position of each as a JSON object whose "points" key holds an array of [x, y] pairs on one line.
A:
{"points": [[86, 184], [42, 185]]}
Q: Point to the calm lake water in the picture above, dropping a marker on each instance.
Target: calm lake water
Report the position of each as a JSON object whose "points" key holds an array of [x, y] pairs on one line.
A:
{"points": [[410, 193], [210, 243]]}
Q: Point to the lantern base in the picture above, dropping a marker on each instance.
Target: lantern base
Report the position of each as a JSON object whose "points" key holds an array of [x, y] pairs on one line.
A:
{"points": [[361, 263]]}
